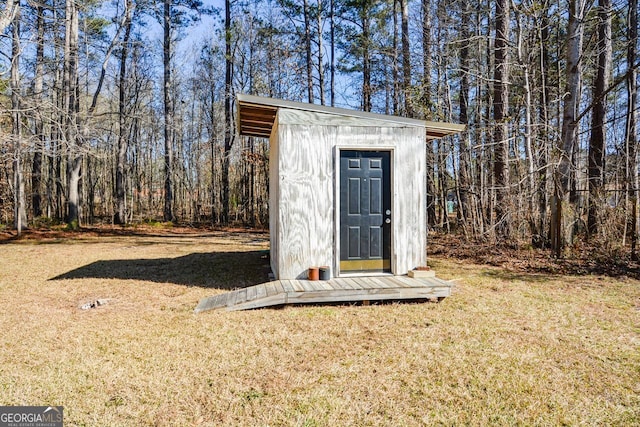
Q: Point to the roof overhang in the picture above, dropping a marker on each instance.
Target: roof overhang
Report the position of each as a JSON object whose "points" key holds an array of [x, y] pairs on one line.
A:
{"points": [[257, 114]]}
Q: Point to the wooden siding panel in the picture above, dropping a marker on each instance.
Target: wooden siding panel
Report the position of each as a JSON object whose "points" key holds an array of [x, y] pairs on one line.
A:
{"points": [[305, 214], [409, 211], [274, 198]]}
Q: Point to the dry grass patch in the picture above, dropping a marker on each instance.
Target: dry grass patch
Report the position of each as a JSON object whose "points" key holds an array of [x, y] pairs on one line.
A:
{"points": [[507, 348]]}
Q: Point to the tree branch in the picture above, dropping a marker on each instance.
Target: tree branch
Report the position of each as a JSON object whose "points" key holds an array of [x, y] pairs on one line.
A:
{"points": [[606, 92], [7, 15]]}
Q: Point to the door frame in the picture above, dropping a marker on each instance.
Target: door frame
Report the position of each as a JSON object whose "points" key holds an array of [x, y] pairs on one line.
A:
{"points": [[336, 220]]}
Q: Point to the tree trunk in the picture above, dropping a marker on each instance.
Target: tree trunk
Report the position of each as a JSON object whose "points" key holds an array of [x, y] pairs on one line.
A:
{"points": [[74, 168], [524, 63], [228, 114], [442, 184], [123, 133], [332, 70], [20, 216], [464, 158], [38, 86], [597, 138], [562, 229], [168, 116], [394, 87], [426, 101], [544, 144], [366, 58], [70, 88], [8, 14], [54, 181], [500, 113], [631, 134], [320, 58], [406, 59], [426, 58], [307, 46]]}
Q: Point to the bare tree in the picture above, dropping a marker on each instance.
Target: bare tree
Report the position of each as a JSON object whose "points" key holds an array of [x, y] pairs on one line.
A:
{"points": [[631, 132], [228, 112], [562, 226], [7, 15], [500, 114], [123, 132], [544, 121], [20, 216], [394, 86], [464, 158], [168, 114], [426, 101], [524, 66], [332, 42], [598, 131], [320, 53], [70, 109], [406, 59], [307, 44], [38, 89], [360, 14], [426, 57]]}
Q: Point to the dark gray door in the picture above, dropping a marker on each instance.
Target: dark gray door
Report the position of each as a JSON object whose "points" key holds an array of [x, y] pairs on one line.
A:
{"points": [[365, 211]]}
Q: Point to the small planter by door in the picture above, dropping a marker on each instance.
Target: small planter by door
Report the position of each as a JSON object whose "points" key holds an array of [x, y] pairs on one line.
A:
{"points": [[314, 273], [325, 272]]}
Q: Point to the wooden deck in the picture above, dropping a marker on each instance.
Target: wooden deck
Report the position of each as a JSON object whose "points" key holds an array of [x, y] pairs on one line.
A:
{"points": [[356, 289]]}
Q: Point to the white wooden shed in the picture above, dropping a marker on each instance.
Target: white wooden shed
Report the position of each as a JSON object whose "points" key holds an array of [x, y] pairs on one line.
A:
{"points": [[347, 189]]}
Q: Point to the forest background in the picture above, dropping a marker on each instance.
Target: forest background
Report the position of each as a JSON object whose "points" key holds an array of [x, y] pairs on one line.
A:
{"points": [[123, 111]]}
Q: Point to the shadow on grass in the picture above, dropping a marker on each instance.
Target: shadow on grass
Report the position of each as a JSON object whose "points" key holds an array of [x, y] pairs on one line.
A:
{"points": [[218, 270]]}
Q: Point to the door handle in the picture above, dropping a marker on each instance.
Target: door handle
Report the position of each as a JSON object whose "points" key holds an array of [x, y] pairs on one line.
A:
{"points": [[388, 220]]}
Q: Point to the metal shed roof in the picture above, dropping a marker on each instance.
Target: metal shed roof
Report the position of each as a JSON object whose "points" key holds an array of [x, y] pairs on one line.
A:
{"points": [[256, 115]]}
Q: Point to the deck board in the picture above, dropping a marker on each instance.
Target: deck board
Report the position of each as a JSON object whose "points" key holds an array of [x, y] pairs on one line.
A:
{"points": [[363, 282], [241, 296], [340, 284], [271, 289], [261, 291], [343, 289], [231, 298], [287, 286], [355, 285], [251, 293], [326, 285], [315, 285], [409, 282], [381, 283], [297, 285], [399, 282]]}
